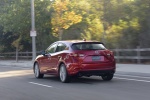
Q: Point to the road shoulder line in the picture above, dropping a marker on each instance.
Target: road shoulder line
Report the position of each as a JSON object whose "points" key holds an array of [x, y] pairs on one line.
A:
{"points": [[41, 84]]}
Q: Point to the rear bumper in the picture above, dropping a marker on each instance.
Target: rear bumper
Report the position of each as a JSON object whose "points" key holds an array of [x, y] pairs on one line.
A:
{"points": [[91, 69], [95, 72]]}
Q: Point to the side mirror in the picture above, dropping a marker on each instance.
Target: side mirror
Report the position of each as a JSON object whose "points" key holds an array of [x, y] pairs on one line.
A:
{"points": [[43, 52]]}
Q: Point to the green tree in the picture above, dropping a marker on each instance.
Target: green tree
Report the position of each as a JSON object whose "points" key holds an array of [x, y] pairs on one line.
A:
{"points": [[62, 17], [16, 18], [141, 11]]}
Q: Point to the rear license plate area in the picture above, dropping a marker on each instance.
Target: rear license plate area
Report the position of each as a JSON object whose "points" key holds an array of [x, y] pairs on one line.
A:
{"points": [[96, 58]]}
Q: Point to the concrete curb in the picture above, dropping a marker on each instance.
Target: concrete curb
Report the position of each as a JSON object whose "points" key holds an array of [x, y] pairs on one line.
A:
{"points": [[16, 64]]}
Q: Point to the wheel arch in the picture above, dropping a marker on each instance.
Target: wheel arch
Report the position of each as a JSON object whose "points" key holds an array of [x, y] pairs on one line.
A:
{"points": [[60, 65], [34, 64]]}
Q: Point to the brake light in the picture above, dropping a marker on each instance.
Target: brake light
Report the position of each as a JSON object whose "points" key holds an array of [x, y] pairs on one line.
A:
{"points": [[84, 39], [76, 55], [73, 54], [81, 55], [111, 53]]}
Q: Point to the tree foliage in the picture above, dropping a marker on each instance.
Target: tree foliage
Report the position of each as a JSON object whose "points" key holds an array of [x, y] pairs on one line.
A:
{"points": [[121, 23], [63, 17]]}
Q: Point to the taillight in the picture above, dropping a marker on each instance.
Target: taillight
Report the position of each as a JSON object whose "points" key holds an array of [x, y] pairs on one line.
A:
{"points": [[108, 54], [73, 54], [111, 53], [80, 55], [76, 55]]}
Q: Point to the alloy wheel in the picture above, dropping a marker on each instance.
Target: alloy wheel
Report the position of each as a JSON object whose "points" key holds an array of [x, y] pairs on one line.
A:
{"points": [[63, 74]]}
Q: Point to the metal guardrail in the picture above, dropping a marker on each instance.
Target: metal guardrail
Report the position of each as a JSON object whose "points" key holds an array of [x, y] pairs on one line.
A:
{"points": [[138, 55], [12, 55]]}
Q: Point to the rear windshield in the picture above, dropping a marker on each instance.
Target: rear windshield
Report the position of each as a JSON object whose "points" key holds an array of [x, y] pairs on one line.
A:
{"points": [[88, 46]]}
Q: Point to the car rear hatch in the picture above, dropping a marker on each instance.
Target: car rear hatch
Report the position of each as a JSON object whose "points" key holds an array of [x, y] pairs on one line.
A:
{"points": [[92, 53], [93, 56]]}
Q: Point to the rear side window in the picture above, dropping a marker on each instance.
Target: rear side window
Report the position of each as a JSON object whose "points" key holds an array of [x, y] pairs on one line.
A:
{"points": [[60, 47], [88, 46]]}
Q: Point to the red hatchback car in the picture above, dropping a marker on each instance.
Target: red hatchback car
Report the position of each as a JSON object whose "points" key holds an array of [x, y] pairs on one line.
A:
{"points": [[75, 58]]}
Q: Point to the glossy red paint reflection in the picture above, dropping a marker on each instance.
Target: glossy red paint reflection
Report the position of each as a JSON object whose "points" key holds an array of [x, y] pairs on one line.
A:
{"points": [[81, 58]]}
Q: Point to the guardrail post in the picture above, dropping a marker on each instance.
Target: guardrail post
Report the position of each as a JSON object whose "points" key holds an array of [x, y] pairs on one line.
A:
{"points": [[117, 55], [17, 54], [27, 54], [138, 55]]}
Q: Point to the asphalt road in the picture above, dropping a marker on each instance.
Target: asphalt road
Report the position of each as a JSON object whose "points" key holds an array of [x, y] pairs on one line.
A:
{"points": [[20, 84]]}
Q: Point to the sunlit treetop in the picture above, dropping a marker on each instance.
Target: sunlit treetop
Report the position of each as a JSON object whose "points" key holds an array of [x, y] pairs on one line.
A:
{"points": [[63, 17]]}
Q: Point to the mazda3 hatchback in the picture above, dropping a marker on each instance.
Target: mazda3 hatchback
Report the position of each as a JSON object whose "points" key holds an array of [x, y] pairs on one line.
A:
{"points": [[75, 58]]}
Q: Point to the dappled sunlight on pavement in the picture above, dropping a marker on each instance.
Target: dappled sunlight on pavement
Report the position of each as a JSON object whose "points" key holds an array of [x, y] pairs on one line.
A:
{"points": [[15, 73]]}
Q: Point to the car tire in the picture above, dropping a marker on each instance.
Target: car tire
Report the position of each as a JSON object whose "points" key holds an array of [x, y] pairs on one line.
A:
{"points": [[37, 72], [107, 77], [63, 74]]}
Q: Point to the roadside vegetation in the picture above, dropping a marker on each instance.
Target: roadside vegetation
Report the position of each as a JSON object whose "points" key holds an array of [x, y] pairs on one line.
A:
{"points": [[117, 23]]}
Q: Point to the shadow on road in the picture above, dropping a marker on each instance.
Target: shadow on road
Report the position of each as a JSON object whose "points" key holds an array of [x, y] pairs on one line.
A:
{"points": [[84, 80]]}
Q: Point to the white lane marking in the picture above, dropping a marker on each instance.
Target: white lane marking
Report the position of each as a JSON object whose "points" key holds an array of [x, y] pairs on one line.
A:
{"points": [[41, 84], [132, 79], [133, 76]]}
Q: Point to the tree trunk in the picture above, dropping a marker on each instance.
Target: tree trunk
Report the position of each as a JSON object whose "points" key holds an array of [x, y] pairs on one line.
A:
{"points": [[60, 34]]}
